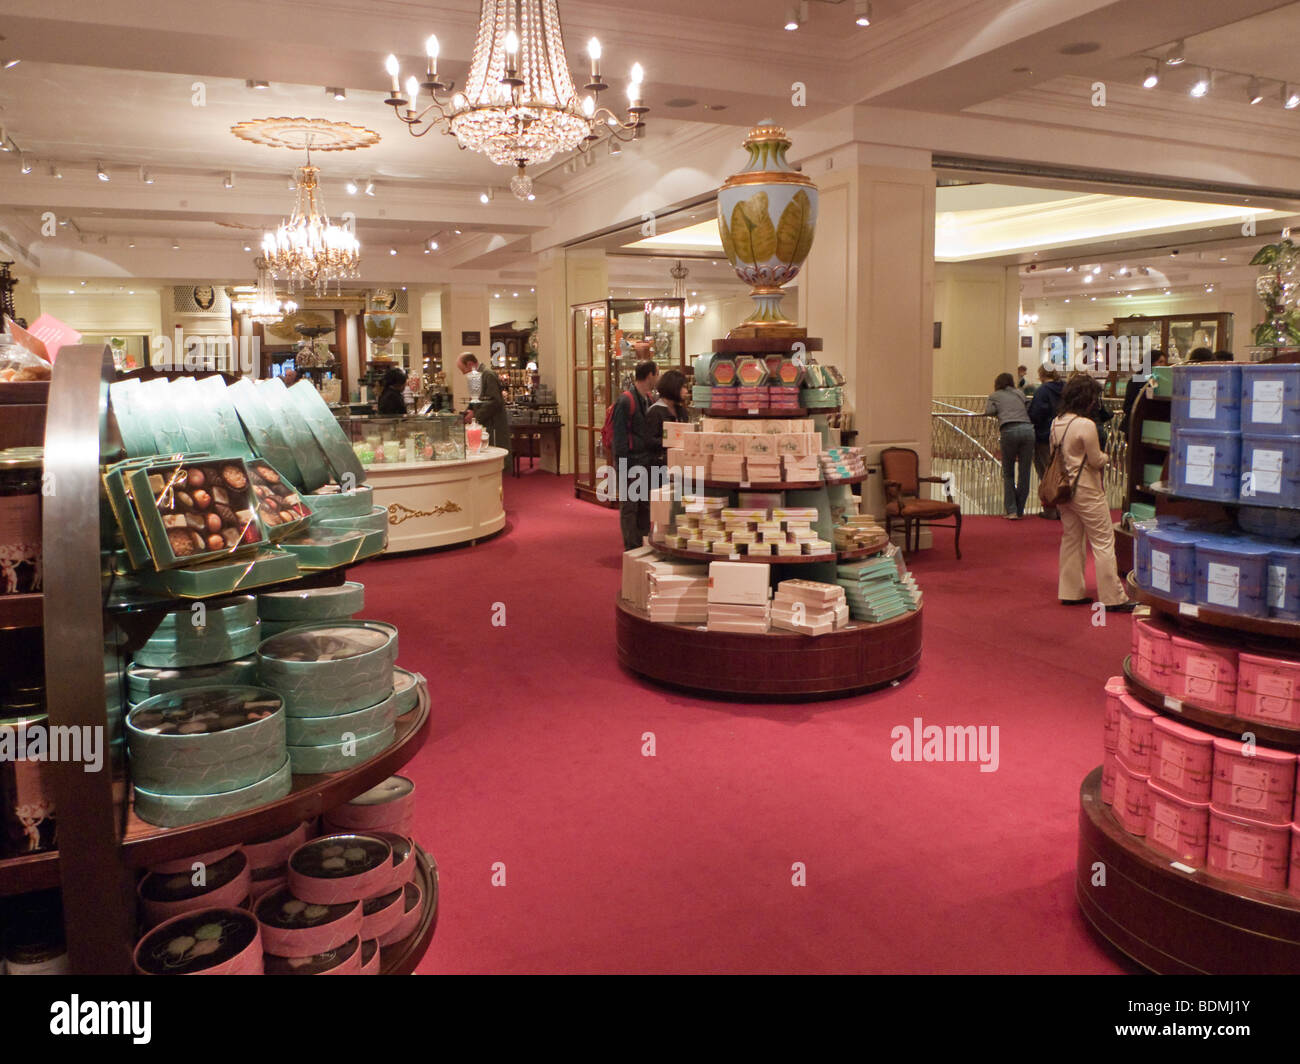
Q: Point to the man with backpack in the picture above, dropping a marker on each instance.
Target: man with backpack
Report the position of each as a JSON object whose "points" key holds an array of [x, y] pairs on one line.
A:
{"points": [[1042, 411], [628, 446]]}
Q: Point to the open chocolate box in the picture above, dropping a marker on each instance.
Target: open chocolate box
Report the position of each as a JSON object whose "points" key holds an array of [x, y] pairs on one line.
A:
{"points": [[280, 509], [195, 510]]}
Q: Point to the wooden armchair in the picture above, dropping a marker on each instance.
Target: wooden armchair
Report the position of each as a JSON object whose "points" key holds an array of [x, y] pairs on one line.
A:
{"points": [[901, 467]]}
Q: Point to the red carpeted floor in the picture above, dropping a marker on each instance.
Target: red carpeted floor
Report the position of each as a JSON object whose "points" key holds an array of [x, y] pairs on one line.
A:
{"points": [[682, 862]]}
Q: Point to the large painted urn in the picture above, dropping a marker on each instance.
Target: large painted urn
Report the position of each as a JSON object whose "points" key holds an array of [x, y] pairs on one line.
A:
{"points": [[767, 215]]}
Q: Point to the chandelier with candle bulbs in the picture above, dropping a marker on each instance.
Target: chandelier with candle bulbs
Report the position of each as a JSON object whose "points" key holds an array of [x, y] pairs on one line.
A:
{"points": [[690, 311], [309, 249], [266, 308], [519, 106]]}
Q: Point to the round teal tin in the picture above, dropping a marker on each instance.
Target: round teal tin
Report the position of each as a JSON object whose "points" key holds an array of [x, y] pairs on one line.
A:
{"points": [[309, 760], [328, 669], [206, 740], [222, 614], [325, 731], [143, 681], [406, 690], [313, 603], [173, 811], [204, 645]]}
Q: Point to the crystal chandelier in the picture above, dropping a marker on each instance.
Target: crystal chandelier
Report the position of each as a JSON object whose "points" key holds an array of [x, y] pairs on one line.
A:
{"points": [[519, 106], [679, 273], [266, 308], [309, 249]]}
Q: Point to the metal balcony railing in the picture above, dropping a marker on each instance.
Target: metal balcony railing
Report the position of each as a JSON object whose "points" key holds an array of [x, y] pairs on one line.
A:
{"points": [[964, 444]]}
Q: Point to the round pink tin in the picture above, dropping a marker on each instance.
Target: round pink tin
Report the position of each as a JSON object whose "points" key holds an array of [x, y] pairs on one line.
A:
{"points": [[186, 864], [403, 856], [380, 808], [203, 942], [412, 909], [346, 960], [224, 884], [380, 915], [270, 851], [295, 928], [371, 964], [340, 868]]}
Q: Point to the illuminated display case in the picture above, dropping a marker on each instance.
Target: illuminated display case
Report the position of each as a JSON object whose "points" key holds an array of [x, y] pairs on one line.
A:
{"points": [[609, 338], [431, 438]]}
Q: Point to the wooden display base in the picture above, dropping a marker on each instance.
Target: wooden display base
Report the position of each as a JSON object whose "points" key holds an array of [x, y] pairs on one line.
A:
{"points": [[776, 666], [769, 340], [1206, 615], [1174, 922]]}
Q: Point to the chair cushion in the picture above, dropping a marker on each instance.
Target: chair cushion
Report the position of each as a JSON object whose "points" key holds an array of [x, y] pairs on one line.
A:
{"points": [[925, 508]]}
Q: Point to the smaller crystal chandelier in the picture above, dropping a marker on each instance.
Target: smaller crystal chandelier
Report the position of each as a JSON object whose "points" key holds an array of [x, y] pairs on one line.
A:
{"points": [[519, 106], [679, 273], [266, 308], [309, 249]]}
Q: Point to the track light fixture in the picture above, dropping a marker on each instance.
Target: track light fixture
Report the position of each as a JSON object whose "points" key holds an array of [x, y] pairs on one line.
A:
{"points": [[1201, 86], [351, 187], [1177, 54], [229, 181], [26, 164], [146, 178], [249, 83], [485, 197], [337, 93], [56, 173], [370, 188], [1153, 77], [861, 13], [11, 62], [1290, 97], [1254, 91], [4, 140], [101, 173]]}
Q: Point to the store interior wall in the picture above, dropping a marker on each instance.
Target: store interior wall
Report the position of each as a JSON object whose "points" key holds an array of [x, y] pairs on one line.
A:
{"points": [[977, 307]]}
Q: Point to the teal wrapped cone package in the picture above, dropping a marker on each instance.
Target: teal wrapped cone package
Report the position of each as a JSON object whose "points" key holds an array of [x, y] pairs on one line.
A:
{"points": [[309, 760], [338, 667], [307, 454], [206, 740], [174, 811], [324, 426]]}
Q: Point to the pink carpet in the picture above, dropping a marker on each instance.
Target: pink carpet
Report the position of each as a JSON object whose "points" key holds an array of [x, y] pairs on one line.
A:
{"points": [[682, 862]]}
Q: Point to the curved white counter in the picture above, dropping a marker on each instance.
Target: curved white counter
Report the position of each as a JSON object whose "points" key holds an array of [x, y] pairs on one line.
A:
{"points": [[435, 504]]}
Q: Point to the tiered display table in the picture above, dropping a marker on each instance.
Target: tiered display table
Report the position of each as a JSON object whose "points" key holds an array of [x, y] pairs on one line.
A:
{"points": [[776, 665]]}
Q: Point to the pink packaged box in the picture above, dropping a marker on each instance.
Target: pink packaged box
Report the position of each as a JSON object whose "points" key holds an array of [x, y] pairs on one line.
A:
{"points": [[1177, 827], [1152, 652], [1248, 850], [203, 942], [274, 851], [381, 914], [186, 864], [378, 808], [1130, 804], [1204, 674], [227, 884], [403, 857], [1259, 785], [1266, 689], [412, 908], [1135, 725], [1109, 768], [1182, 759], [1115, 689], [346, 960], [292, 927], [339, 868], [739, 583], [1293, 878]]}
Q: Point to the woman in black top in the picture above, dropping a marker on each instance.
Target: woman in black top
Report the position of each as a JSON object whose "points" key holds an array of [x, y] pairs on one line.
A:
{"points": [[390, 402], [671, 406]]}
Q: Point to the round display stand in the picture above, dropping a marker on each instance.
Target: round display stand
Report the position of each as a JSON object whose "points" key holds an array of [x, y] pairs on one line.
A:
{"points": [[1171, 921], [775, 666]]}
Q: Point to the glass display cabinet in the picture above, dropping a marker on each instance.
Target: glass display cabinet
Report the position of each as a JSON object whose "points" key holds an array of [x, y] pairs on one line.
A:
{"points": [[390, 440], [1178, 335], [610, 337]]}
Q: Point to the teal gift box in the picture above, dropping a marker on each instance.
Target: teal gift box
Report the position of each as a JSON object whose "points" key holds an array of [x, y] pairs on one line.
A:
{"points": [[336, 667], [375, 521], [331, 502], [310, 760], [145, 681], [336, 730], [302, 605], [174, 811], [206, 740], [221, 577]]}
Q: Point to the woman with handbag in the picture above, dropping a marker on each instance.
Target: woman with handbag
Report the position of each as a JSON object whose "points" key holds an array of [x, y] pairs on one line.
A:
{"points": [[1073, 482]]}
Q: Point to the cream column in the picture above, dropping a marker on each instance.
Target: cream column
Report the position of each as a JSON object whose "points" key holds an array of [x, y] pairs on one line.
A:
{"points": [[564, 278], [868, 290], [464, 310]]}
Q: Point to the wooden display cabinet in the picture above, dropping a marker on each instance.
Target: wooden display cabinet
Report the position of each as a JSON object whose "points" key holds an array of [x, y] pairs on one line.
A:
{"points": [[1178, 335], [603, 361]]}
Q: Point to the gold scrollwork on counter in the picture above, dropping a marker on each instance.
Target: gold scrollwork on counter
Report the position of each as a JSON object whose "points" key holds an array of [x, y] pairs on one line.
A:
{"points": [[397, 512]]}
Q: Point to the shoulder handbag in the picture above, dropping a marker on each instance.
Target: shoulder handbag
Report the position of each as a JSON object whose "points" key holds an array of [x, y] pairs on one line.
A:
{"points": [[1056, 487]]}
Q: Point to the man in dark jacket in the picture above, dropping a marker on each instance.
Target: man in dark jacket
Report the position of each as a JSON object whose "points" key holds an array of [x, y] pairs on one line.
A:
{"points": [[631, 450], [1042, 411], [491, 409]]}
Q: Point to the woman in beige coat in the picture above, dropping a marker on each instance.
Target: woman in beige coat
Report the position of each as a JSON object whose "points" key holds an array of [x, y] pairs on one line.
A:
{"points": [[1085, 519]]}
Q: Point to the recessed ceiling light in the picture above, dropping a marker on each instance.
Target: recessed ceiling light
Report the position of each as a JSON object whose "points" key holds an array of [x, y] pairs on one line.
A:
{"points": [[433, 245], [351, 186], [176, 245], [514, 295], [392, 251], [56, 173], [248, 247], [484, 197], [131, 244], [338, 94], [456, 231]]}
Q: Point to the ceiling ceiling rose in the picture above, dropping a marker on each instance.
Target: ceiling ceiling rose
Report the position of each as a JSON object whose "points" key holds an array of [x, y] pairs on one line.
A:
{"points": [[305, 134]]}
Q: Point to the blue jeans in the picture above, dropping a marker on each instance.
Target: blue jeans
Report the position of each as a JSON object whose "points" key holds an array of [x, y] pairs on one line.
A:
{"points": [[1017, 456]]}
